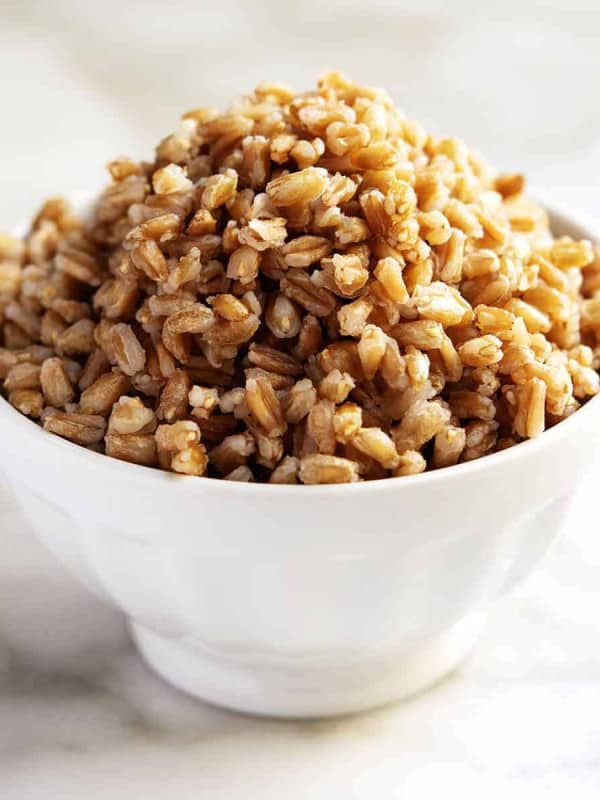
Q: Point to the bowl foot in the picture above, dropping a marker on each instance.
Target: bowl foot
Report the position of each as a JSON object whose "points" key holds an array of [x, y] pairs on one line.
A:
{"points": [[295, 691]]}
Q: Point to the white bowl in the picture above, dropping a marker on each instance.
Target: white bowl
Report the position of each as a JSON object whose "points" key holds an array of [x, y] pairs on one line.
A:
{"points": [[301, 600]]}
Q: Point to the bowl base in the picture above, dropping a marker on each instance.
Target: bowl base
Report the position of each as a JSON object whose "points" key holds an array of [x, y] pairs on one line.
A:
{"points": [[305, 691]]}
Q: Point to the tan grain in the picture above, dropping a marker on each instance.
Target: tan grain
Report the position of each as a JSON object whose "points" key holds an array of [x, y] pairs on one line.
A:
{"points": [[313, 284]]}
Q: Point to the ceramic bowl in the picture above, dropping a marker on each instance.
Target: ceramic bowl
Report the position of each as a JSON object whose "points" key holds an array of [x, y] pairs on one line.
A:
{"points": [[301, 600]]}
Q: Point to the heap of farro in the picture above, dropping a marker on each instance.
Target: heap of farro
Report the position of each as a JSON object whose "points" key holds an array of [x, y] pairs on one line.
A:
{"points": [[309, 287]]}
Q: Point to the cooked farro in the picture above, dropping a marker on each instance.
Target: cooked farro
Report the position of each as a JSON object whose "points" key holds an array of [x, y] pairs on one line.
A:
{"points": [[306, 289]]}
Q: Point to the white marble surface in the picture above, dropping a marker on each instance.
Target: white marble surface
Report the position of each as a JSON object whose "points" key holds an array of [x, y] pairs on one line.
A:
{"points": [[80, 716]]}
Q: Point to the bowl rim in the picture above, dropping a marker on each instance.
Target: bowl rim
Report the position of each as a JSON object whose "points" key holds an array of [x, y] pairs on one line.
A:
{"points": [[31, 431]]}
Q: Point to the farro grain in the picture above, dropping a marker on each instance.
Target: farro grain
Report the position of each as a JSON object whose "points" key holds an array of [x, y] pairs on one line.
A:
{"points": [[190, 461], [135, 448], [129, 415], [393, 366], [411, 462], [286, 471], [277, 380], [535, 320], [264, 406], [336, 386], [79, 265], [128, 352], [566, 253], [23, 376], [481, 437], [283, 317], [299, 401], [376, 444], [305, 250], [85, 429], [173, 403], [228, 307], [319, 426], [269, 450], [298, 187], [310, 338], [483, 351], [149, 259], [203, 401], [96, 364], [420, 423], [268, 358], [243, 474], [441, 303], [417, 367], [77, 339], [424, 334], [170, 179], [347, 421], [349, 275], [448, 445], [451, 360], [179, 326], [27, 320], [216, 427], [14, 337], [468, 405], [341, 355], [56, 384], [320, 468], [353, 317], [389, 273], [28, 401], [318, 284], [372, 346], [178, 436], [298, 286], [234, 451]]}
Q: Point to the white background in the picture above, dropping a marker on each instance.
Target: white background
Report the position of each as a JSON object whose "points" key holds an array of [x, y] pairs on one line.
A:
{"points": [[79, 715]]}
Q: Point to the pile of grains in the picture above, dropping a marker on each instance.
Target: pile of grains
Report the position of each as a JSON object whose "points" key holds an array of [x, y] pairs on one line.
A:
{"points": [[308, 288]]}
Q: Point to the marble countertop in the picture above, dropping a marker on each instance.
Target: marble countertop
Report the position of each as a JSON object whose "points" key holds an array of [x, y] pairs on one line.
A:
{"points": [[80, 716]]}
